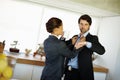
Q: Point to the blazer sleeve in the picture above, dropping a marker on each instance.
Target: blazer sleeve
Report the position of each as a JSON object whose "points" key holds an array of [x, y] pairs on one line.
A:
{"points": [[96, 45], [64, 50]]}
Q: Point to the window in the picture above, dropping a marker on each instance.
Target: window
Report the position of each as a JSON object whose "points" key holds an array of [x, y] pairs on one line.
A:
{"points": [[19, 21]]}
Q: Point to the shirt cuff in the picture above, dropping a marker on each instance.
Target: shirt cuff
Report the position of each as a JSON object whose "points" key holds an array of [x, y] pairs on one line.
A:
{"points": [[88, 44]]}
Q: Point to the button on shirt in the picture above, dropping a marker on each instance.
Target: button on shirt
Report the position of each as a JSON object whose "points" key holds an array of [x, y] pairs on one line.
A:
{"points": [[74, 61]]}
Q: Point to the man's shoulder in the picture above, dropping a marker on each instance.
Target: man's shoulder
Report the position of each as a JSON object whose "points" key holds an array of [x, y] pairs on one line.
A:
{"points": [[91, 35]]}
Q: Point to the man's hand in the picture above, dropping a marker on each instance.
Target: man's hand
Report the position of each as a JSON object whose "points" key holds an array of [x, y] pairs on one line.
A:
{"points": [[81, 43]]}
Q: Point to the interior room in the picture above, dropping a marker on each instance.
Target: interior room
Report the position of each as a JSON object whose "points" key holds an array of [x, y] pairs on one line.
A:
{"points": [[22, 26]]}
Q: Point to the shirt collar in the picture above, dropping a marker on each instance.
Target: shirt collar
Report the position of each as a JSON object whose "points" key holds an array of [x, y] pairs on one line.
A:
{"points": [[55, 36], [85, 34]]}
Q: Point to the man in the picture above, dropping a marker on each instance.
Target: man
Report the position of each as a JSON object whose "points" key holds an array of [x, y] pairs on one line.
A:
{"points": [[81, 67]]}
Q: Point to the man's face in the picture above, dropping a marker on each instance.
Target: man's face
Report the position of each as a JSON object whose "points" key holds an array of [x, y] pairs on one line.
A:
{"points": [[84, 26]]}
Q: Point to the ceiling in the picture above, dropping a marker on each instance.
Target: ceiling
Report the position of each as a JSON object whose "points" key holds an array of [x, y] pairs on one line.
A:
{"points": [[110, 5], [99, 8]]}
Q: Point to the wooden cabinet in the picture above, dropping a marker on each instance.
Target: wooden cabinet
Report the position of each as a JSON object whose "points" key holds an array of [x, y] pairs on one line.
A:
{"points": [[23, 71], [37, 71], [33, 72], [27, 72], [30, 68], [99, 75]]}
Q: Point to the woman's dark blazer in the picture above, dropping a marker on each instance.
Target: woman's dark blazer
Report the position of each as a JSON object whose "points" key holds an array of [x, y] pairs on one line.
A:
{"points": [[56, 51]]}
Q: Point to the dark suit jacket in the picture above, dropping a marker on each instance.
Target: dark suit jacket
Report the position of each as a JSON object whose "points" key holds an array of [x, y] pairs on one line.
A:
{"points": [[56, 51], [85, 57]]}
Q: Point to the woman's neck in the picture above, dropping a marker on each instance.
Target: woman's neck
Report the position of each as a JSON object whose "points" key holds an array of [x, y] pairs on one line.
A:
{"points": [[54, 35]]}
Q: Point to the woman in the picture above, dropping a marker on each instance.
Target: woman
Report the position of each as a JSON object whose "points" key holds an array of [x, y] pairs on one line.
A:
{"points": [[56, 51]]}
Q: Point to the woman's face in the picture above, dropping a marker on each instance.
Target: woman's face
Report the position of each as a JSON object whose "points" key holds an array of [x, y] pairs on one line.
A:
{"points": [[60, 31]]}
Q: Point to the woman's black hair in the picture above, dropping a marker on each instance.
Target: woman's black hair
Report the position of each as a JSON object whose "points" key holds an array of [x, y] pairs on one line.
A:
{"points": [[53, 23]]}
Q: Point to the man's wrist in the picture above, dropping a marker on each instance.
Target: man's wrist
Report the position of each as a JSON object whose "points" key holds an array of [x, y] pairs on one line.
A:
{"points": [[88, 44]]}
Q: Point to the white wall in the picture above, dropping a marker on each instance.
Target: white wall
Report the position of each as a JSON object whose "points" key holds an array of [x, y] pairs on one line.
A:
{"points": [[109, 34]]}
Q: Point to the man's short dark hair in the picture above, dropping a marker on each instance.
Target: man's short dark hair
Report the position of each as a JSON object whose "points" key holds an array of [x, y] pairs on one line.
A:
{"points": [[85, 17]]}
